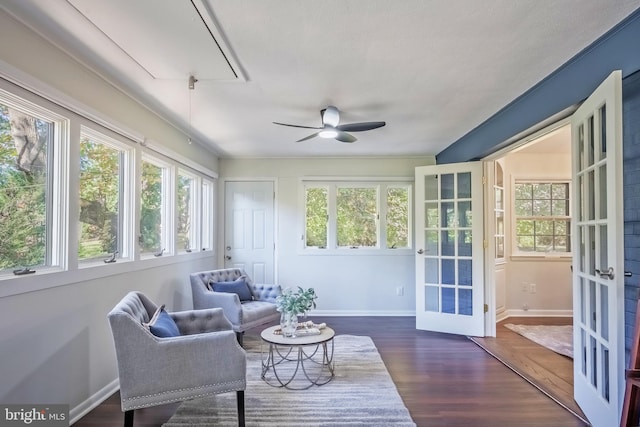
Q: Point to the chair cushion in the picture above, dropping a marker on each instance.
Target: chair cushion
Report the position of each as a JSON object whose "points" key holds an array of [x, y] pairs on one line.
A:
{"points": [[238, 286], [162, 324]]}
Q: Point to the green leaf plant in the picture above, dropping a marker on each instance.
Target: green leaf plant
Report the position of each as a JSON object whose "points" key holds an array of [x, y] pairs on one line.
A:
{"points": [[296, 301]]}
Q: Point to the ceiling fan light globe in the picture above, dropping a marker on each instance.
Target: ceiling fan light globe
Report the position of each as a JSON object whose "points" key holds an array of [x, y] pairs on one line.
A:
{"points": [[328, 133]]}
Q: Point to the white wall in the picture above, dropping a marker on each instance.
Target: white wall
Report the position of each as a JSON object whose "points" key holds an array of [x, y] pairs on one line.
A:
{"points": [[55, 344], [551, 275], [345, 284]]}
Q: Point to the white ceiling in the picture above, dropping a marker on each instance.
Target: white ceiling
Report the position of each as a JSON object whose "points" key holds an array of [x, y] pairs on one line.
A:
{"points": [[432, 69]]}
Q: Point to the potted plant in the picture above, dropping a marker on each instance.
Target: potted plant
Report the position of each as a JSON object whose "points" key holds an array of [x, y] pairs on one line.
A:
{"points": [[292, 303]]}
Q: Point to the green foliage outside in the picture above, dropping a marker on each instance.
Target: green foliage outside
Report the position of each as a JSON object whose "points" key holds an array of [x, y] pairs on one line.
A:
{"points": [[99, 199], [151, 208], [22, 200], [397, 218], [357, 217], [184, 212], [316, 217], [357, 211], [542, 217]]}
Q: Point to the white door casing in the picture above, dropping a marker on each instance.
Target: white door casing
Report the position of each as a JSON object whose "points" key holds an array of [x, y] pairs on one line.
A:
{"points": [[249, 239], [450, 256], [598, 254]]}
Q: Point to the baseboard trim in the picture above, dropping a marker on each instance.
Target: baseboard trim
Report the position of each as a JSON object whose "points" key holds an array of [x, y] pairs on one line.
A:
{"points": [[535, 313], [93, 401], [354, 313]]}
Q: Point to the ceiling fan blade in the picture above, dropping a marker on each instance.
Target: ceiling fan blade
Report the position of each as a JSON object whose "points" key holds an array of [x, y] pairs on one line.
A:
{"points": [[330, 116], [345, 137], [359, 127], [313, 135], [296, 126]]}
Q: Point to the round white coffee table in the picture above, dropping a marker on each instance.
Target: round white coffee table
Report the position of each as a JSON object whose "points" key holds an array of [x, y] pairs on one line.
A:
{"points": [[306, 356]]}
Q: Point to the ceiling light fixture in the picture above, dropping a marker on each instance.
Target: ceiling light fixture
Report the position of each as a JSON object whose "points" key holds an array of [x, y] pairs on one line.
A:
{"points": [[192, 86], [328, 133]]}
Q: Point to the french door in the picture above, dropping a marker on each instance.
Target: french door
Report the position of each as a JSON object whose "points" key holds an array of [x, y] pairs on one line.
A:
{"points": [[450, 255], [598, 254], [249, 236]]}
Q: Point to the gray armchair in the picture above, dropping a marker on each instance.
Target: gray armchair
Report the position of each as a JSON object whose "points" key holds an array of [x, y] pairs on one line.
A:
{"points": [[245, 315], [204, 359]]}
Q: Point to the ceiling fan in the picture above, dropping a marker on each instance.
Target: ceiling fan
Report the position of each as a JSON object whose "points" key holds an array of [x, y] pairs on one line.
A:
{"points": [[332, 129]]}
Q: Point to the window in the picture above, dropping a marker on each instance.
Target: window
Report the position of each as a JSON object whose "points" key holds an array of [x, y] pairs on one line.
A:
{"points": [[354, 215], [41, 177], [186, 221], [543, 221], [102, 174], [397, 223], [207, 214], [357, 217], [155, 234], [26, 194]]}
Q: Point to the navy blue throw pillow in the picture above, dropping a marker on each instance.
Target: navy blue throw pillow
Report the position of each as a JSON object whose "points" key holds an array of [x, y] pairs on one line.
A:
{"points": [[162, 324], [238, 286]]}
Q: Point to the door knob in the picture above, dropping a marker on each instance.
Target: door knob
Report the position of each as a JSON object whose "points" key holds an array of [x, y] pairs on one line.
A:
{"points": [[227, 257], [609, 273], [420, 251]]}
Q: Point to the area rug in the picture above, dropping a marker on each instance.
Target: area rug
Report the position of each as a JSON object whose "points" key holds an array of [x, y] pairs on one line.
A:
{"points": [[361, 394], [558, 338]]}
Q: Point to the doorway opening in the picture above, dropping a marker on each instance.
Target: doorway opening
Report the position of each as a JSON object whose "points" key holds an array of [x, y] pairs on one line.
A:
{"points": [[530, 224]]}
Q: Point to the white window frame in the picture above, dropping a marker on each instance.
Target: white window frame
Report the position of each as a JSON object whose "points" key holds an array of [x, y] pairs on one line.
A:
{"points": [[332, 185], [56, 255], [70, 117], [207, 239], [515, 252], [166, 216], [126, 226], [194, 212]]}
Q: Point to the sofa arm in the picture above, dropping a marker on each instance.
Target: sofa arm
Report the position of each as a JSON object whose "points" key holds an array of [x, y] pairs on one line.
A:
{"points": [[228, 302], [187, 362], [201, 321]]}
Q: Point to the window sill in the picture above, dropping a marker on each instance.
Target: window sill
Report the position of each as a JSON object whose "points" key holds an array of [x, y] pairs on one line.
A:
{"points": [[541, 257], [51, 277], [356, 252]]}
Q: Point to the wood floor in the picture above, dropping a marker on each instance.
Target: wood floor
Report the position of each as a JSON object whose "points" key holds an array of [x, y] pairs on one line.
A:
{"points": [[551, 372], [444, 380]]}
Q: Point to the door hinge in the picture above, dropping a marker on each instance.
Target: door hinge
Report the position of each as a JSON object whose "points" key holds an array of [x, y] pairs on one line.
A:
{"points": [[486, 308], [485, 244], [484, 180]]}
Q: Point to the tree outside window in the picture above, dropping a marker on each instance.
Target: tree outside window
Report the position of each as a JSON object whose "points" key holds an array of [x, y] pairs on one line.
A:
{"points": [[25, 147], [543, 221], [152, 204], [186, 199], [100, 197], [347, 215]]}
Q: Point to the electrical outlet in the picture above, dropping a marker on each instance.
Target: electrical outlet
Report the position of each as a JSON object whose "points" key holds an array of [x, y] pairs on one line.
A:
{"points": [[400, 291], [525, 287], [525, 306], [532, 287]]}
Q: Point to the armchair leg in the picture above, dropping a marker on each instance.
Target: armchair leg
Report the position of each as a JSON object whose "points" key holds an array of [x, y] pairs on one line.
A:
{"points": [[239, 337], [128, 418], [240, 397]]}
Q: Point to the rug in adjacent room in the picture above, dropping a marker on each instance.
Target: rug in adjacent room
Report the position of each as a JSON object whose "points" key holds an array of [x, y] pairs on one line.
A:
{"points": [[558, 338], [362, 393]]}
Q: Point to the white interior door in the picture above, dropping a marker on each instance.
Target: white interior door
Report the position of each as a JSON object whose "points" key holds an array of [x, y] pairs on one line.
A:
{"points": [[249, 228], [450, 256], [598, 254]]}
